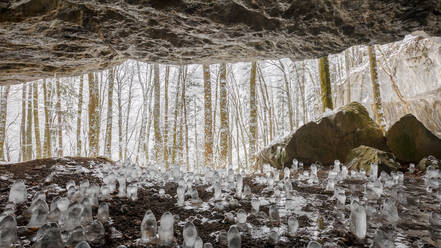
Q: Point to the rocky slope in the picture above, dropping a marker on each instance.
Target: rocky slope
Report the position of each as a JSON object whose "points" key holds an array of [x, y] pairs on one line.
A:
{"points": [[41, 37]]}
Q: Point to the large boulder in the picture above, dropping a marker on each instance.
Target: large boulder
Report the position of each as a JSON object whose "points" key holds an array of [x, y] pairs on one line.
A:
{"points": [[363, 156], [411, 141], [330, 138]]}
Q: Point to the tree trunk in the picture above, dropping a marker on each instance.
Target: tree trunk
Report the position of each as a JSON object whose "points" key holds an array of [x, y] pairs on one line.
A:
{"points": [[93, 116], [288, 95], [36, 121], [3, 119], [23, 124], [325, 84], [176, 112], [253, 112], [60, 120], [108, 151], [47, 147], [165, 131], [348, 77], [208, 128], [224, 125], [29, 145], [378, 109], [79, 115], [157, 114]]}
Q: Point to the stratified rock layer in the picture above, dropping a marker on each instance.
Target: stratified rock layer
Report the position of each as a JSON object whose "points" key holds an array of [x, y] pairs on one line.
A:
{"points": [[331, 138], [411, 141], [41, 37]]}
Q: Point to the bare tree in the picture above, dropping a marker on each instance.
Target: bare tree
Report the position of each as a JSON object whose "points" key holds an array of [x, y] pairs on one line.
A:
{"points": [[4, 94], [109, 119], [325, 84]]}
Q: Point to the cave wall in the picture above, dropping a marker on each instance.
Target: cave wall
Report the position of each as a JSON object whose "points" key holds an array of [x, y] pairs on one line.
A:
{"points": [[39, 38]]}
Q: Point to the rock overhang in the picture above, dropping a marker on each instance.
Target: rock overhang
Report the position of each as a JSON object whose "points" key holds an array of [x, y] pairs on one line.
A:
{"points": [[40, 38]]}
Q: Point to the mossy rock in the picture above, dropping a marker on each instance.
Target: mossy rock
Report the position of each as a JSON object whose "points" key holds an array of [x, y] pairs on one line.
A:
{"points": [[363, 156], [429, 161], [329, 139], [411, 141]]}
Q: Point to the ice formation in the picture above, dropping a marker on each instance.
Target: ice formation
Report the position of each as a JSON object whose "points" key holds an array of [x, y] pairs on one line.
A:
{"points": [[8, 231], [293, 225], [358, 221], [165, 230], [18, 192], [190, 233], [234, 239]]}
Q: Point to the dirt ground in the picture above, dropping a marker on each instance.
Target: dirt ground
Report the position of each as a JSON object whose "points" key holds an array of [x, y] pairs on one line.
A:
{"points": [[127, 215]]}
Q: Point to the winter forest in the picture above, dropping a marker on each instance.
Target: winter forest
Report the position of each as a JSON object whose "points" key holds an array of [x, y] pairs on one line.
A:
{"points": [[221, 123], [211, 115]]}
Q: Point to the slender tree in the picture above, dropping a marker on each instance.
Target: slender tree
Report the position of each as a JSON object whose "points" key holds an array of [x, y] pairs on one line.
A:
{"points": [[348, 77], [378, 108], [4, 94], [93, 115], [208, 129], [165, 148], [47, 147], [79, 115], [325, 83], [29, 145], [176, 113], [23, 124], [108, 140], [224, 125], [253, 112], [36, 121], [59, 118], [157, 113]]}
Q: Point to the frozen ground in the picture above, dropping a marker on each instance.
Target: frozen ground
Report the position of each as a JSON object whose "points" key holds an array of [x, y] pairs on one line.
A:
{"points": [[401, 209]]}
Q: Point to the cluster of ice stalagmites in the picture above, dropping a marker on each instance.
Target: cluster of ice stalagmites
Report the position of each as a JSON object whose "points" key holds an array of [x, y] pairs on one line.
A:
{"points": [[376, 197]]}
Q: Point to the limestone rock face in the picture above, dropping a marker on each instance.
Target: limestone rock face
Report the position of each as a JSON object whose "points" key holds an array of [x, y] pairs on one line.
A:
{"points": [[331, 138], [363, 156], [41, 37], [411, 141]]}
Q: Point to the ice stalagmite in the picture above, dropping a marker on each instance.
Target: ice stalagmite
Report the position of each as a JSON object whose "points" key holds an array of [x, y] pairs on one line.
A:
{"points": [[198, 243], [180, 192], [293, 225], [149, 227], [358, 221], [217, 191], [18, 192], [8, 231], [373, 172], [166, 229], [255, 204], [40, 211], [190, 233], [435, 226], [132, 192], [390, 211], [122, 186], [103, 212], [234, 239], [314, 244], [82, 244], [49, 237], [239, 185], [94, 231]]}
